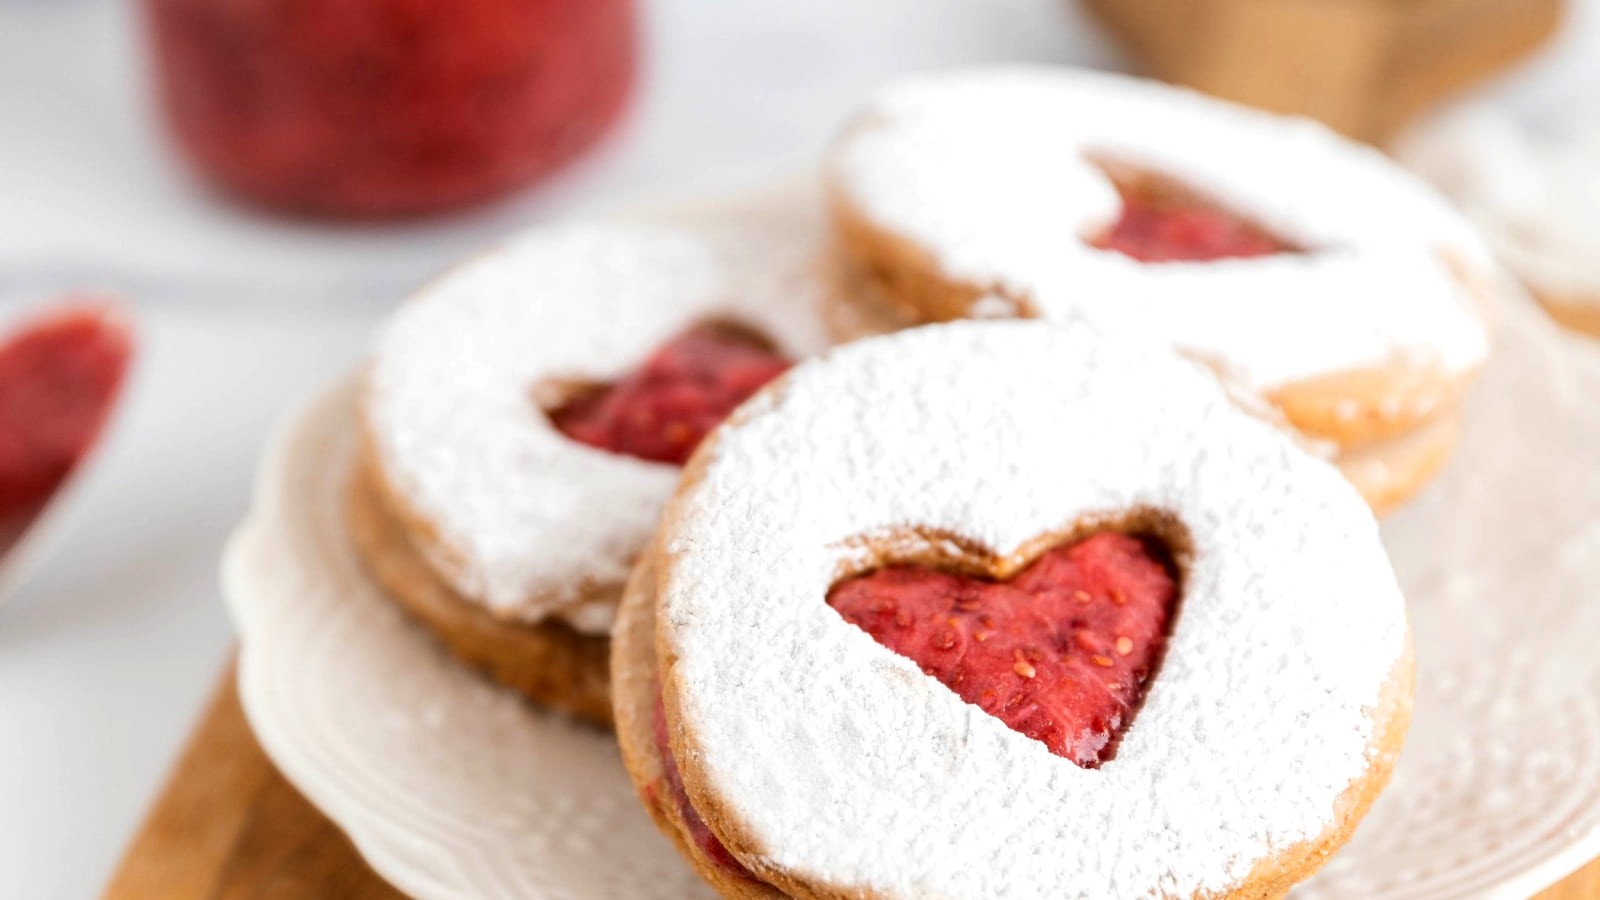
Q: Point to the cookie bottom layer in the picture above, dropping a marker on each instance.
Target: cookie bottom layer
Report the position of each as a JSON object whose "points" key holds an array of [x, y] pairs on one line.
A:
{"points": [[550, 663], [1580, 314], [1390, 471], [855, 307]]}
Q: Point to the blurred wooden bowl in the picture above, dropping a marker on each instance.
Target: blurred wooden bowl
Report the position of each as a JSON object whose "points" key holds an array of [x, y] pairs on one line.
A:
{"points": [[1365, 67]]}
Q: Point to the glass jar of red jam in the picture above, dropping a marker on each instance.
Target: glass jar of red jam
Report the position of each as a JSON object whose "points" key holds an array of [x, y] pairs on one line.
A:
{"points": [[380, 108]]}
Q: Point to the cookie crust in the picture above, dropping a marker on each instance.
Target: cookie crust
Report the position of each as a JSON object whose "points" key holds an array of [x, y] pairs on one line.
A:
{"points": [[550, 663]]}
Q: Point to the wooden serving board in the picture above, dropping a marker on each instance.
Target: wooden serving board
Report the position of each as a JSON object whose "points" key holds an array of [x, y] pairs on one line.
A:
{"points": [[227, 826], [1365, 67]]}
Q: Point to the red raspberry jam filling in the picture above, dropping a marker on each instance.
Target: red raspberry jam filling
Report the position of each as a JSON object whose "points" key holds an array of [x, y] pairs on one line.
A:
{"points": [[663, 409], [699, 831], [387, 107], [1060, 653], [59, 376], [1166, 225]]}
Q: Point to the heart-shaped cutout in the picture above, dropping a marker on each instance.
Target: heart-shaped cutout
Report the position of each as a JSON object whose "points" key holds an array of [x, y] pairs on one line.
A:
{"points": [[1060, 652], [1164, 220], [664, 408]]}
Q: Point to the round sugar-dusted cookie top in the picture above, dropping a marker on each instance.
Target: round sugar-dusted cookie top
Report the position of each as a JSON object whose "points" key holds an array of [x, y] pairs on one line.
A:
{"points": [[1266, 245], [527, 411], [849, 559]]}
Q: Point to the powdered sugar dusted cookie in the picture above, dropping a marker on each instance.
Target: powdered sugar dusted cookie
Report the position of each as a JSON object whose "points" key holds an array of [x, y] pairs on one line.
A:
{"points": [[1304, 266], [525, 416], [1535, 193], [1010, 610]]}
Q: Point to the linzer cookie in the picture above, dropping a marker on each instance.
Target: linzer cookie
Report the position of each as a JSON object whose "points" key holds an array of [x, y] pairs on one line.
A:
{"points": [[1535, 194], [1294, 262], [525, 416], [1009, 609]]}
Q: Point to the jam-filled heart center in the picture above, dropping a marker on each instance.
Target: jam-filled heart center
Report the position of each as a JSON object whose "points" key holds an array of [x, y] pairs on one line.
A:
{"points": [[60, 375], [663, 409], [1164, 220], [1061, 652]]}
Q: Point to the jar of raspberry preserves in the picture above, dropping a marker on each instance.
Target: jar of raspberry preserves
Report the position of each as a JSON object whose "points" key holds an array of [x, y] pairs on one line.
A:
{"points": [[385, 108]]}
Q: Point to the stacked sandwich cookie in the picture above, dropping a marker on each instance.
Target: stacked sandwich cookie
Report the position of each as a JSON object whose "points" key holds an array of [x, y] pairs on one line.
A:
{"points": [[1305, 268]]}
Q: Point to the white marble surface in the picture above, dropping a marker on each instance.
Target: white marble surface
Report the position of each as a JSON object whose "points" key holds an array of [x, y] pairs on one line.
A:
{"points": [[106, 653]]}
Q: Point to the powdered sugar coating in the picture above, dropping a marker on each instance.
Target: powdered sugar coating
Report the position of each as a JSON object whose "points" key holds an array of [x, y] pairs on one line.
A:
{"points": [[843, 762], [988, 169], [525, 515]]}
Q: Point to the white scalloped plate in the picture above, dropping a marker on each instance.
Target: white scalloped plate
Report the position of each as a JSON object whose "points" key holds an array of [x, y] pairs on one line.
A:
{"points": [[451, 788]]}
